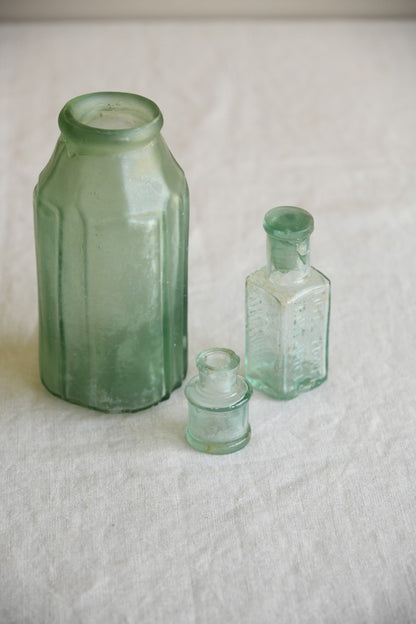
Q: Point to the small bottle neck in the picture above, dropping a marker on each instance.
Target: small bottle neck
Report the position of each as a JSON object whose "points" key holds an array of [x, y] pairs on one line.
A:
{"points": [[289, 258], [218, 370], [218, 382]]}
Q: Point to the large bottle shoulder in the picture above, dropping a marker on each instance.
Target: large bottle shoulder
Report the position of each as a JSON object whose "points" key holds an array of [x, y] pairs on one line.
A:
{"points": [[104, 181], [283, 289]]}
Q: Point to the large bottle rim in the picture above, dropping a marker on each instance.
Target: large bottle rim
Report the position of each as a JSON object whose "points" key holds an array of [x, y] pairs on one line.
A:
{"points": [[85, 119]]}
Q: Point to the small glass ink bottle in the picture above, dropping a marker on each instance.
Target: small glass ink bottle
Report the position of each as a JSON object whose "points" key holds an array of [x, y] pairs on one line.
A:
{"points": [[218, 404], [287, 311]]}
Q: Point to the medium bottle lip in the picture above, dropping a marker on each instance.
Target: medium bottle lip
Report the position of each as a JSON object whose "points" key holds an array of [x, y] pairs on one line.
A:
{"points": [[87, 119], [288, 223]]}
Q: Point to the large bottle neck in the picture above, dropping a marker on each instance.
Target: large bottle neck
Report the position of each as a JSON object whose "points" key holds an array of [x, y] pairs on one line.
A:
{"points": [[288, 259]]}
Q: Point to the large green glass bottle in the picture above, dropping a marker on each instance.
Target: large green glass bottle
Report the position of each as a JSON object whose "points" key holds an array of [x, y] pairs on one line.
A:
{"points": [[111, 224], [218, 404]]}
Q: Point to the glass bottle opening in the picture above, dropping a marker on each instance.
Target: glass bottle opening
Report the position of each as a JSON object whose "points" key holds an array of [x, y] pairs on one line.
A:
{"points": [[217, 359], [288, 230], [110, 117], [288, 223], [217, 370]]}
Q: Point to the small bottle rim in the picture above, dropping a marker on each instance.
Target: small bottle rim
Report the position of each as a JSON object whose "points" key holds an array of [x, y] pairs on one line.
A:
{"points": [[73, 127], [217, 359], [288, 223]]}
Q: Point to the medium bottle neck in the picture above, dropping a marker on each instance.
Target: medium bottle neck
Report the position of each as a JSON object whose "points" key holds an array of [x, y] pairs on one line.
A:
{"points": [[288, 258]]}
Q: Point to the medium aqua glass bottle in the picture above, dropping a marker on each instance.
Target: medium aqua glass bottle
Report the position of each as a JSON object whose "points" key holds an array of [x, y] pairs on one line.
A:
{"points": [[287, 311], [111, 225]]}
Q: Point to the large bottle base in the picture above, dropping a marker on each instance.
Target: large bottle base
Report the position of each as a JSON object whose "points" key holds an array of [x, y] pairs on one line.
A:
{"points": [[114, 409]]}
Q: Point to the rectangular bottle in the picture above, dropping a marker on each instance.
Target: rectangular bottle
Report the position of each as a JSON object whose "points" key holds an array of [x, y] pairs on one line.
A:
{"points": [[287, 311]]}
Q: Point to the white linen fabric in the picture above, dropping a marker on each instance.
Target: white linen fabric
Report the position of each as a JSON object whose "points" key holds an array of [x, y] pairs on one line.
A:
{"points": [[114, 518]]}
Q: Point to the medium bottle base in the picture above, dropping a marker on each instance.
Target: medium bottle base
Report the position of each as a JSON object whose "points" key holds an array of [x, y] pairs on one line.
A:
{"points": [[305, 386]]}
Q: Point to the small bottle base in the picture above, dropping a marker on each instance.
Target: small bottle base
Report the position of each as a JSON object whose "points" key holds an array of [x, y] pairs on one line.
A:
{"points": [[218, 448]]}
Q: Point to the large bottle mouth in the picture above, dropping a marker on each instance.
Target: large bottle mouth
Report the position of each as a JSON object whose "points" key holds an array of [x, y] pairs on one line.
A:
{"points": [[110, 118]]}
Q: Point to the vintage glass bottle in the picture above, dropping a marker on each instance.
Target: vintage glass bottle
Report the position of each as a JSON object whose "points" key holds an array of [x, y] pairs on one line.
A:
{"points": [[218, 404], [287, 311], [111, 226]]}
